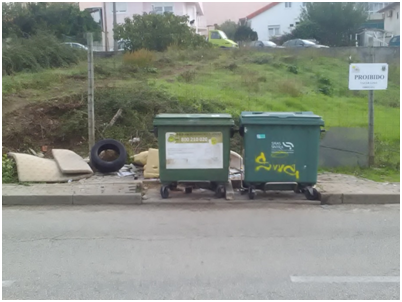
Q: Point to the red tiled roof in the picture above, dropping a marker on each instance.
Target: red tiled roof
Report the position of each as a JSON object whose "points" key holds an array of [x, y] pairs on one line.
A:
{"points": [[262, 9]]}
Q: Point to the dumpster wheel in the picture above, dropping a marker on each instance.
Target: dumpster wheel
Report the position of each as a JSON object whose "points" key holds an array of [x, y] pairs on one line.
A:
{"points": [[251, 192], [165, 192], [220, 191], [312, 194]]}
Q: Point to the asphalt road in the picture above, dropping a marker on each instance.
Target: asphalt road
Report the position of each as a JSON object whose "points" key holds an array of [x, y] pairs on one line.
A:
{"points": [[201, 252]]}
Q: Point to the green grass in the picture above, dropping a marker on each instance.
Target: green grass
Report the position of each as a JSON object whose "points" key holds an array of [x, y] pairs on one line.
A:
{"points": [[245, 80], [284, 91], [376, 174]]}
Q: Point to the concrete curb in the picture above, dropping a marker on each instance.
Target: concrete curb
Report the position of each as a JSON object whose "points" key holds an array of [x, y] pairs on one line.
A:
{"points": [[88, 194], [359, 198], [123, 194], [71, 199]]}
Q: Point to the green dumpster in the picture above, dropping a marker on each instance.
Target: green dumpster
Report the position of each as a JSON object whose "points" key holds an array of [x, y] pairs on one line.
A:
{"points": [[281, 151], [194, 150]]}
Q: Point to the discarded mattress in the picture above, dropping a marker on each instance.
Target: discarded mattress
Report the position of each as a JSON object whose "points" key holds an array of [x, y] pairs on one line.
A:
{"points": [[141, 158], [151, 169], [66, 166]]}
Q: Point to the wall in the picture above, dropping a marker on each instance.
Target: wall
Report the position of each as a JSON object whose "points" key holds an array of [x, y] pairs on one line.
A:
{"points": [[277, 15], [393, 24]]}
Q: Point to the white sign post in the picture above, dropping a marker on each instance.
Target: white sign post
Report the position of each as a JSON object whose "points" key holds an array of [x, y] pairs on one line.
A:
{"points": [[371, 76], [368, 76]]}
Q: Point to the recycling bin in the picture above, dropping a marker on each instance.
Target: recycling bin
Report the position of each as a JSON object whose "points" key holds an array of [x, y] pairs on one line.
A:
{"points": [[194, 149], [281, 151]]}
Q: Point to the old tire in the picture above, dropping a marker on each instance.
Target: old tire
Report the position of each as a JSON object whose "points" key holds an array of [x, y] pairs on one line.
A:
{"points": [[108, 166]]}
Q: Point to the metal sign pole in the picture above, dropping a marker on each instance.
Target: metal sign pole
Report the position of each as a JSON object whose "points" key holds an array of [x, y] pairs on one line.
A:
{"points": [[371, 115], [114, 27], [91, 110], [371, 127]]}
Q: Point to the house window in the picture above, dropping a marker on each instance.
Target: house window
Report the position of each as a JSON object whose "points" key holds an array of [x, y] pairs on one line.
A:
{"points": [[273, 30], [121, 7], [162, 8], [288, 4]]}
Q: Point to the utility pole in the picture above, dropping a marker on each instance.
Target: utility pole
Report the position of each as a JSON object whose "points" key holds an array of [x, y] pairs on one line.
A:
{"points": [[371, 113], [106, 34], [114, 27], [91, 110]]}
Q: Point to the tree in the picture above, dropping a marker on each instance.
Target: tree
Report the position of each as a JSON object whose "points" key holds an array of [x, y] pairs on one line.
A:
{"points": [[157, 32], [61, 19], [331, 23], [229, 28], [244, 33]]}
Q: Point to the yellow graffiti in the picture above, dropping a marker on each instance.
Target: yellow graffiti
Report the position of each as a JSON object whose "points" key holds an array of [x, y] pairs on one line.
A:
{"points": [[287, 169]]}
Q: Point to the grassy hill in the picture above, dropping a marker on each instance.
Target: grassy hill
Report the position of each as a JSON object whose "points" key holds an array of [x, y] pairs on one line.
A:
{"points": [[49, 107]]}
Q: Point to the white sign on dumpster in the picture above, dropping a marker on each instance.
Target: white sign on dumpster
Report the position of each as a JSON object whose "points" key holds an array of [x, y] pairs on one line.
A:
{"points": [[368, 76]]}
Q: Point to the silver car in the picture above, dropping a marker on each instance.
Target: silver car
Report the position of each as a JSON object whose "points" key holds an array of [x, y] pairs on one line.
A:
{"points": [[301, 43], [263, 44], [76, 45]]}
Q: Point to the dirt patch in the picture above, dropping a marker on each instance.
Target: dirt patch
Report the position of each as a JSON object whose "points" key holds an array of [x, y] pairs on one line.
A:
{"points": [[36, 125]]}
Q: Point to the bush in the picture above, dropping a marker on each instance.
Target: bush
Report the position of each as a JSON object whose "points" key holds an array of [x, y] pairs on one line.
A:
{"points": [[158, 32], [293, 69], [175, 53], [289, 87], [324, 85], [141, 58], [250, 80], [9, 170], [187, 76], [232, 66], [263, 59], [38, 52]]}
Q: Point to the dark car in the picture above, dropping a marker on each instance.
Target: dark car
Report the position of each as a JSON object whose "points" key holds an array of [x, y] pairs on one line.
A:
{"points": [[300, 43], [394, 42]]}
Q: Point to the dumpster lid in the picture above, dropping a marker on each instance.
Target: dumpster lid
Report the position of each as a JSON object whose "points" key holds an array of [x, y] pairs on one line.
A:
{"points": [[281, 118], [210, 119]]}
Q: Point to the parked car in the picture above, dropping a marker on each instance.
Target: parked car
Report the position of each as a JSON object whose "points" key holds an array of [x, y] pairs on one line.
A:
{"points": [[394, 42], [300, 43], [76, 45], [121, 44], [263, 44]]}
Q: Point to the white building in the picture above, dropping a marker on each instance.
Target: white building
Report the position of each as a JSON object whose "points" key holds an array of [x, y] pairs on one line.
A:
{"points": [[391, 18], [275, 19], [278, 18], [102, 12]]}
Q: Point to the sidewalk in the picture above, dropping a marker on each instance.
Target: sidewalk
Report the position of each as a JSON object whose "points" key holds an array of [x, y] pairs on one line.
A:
{"points": [[335, 189]]}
